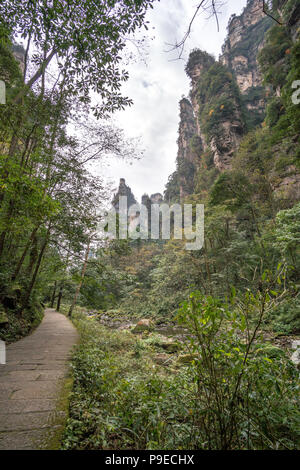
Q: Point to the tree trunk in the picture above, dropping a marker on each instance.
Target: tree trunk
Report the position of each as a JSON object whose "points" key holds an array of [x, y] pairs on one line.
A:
{"points": [[19, 265], [36, 76], [32, 257], [59, 296], [53, 295], [2, 240], [81, 280], [35, 273], [7, 219]]}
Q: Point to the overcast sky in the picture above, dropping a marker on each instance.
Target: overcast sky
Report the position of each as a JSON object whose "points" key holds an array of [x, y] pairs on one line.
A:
{"points": [[157, 87]]}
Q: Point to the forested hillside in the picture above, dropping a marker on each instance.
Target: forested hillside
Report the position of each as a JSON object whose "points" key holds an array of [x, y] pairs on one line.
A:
{"points": [[49, 132], [179, 349]]}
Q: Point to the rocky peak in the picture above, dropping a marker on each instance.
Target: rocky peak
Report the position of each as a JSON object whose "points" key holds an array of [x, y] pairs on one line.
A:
{"points": [[146, 200], [239, 56], [226, 98], [237, 26], [218, 110], [239, 53], [187, 129], [123, 190], [19, 54], [253, 12], [156, 198], [187, 158], [197, 62]]}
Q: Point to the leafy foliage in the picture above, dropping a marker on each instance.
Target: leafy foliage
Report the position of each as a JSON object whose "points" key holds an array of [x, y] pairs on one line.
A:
{"points": [[245, 391], [121, 399], [89, 49], [227, 398], [48, 197]]}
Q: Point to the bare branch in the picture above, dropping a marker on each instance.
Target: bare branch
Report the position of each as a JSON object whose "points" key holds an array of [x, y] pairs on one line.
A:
{"points": [[206, 6]]}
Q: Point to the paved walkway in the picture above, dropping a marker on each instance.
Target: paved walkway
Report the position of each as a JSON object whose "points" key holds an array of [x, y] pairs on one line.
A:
{"points": [[32, 382]]}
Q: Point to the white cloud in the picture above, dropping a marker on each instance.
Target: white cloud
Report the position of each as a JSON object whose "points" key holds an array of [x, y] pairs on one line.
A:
{"points": [[156, 89]]}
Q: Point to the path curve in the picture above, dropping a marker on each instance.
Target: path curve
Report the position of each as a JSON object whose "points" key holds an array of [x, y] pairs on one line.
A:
{"points": [[32, 383]]}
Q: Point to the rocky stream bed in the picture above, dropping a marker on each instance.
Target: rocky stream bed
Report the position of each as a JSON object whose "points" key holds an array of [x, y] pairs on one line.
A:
{"points": [[171, 338]]}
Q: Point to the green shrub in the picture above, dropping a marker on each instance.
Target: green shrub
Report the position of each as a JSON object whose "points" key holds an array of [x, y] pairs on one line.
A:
{"points": [[285, 318], [121, 400], [21, 325], [246, 392]]}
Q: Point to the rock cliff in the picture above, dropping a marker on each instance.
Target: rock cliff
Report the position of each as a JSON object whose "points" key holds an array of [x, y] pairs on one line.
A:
{"points": [[123, 190], [239, 53], [226, 98], [187, 157]]}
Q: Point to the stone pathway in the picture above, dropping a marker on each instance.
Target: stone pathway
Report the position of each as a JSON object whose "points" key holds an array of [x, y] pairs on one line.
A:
{"points": [[32, 385]]}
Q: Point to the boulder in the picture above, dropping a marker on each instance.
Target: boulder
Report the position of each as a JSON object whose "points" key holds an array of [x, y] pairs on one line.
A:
{"points": [[169, 345], [186, 358], [295, 357], [125, 326], [162, 359], [143, 325]]}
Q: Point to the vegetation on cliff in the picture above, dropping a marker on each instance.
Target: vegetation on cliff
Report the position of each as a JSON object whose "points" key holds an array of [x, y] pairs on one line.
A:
{"points": [[219, 101]]}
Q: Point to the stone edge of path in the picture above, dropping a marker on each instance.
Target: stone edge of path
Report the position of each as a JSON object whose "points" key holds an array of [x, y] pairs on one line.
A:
{"points": [[53, 437]]}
